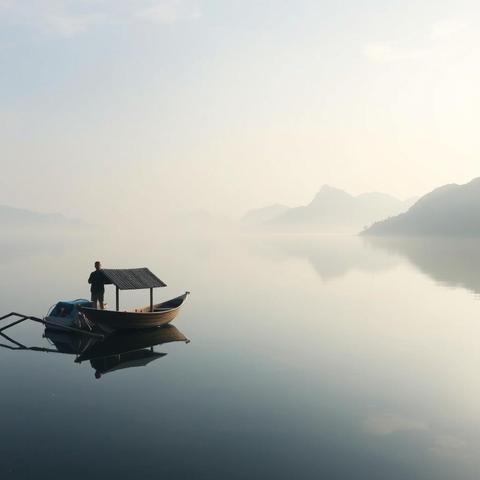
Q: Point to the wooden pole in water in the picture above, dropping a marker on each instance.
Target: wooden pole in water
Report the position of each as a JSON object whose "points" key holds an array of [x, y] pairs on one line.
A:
{"points": [[151, 299], [117, 300]]}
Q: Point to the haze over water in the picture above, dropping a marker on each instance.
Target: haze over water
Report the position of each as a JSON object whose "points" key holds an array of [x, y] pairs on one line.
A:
{"points": [[129, 128], [310, 357]]}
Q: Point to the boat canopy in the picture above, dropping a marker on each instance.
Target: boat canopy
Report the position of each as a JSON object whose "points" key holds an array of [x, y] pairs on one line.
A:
{"points": [[132, 278]]}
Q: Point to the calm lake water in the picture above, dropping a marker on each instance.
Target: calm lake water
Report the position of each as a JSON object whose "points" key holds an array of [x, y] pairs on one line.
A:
{"points": [[309, 357]]}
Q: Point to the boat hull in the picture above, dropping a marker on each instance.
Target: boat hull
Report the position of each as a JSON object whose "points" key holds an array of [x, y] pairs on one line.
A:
{"points": [[59, 323], [111, 320]]}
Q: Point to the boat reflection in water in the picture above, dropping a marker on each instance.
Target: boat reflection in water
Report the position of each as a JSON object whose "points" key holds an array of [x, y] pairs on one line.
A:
{"points": [[129, 349], [118, 351]]}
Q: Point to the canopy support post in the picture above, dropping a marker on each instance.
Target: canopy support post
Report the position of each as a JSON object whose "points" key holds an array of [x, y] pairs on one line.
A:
{"points": [[117, 300], [151, 299]]}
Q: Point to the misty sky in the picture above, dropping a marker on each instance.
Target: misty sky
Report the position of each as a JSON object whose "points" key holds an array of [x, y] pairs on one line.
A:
{"points": [[134, 107]]}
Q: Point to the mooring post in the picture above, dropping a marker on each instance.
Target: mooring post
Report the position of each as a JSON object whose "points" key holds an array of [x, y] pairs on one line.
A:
{"points": [[117, 300], [151, 299]]}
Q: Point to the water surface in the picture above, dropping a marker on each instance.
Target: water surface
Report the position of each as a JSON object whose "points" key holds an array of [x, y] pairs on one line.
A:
{"points": [[309, 357]]}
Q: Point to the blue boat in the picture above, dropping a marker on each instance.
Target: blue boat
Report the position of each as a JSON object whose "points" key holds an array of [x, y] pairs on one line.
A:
{"points": [[66, 315]]}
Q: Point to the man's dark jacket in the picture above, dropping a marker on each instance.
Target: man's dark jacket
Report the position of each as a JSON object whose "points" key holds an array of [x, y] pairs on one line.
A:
{"points": [[97, 280]]}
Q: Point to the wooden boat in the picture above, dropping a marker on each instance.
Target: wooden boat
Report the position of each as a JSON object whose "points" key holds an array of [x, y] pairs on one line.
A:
{"points": [[140, 318], [154, 315]]}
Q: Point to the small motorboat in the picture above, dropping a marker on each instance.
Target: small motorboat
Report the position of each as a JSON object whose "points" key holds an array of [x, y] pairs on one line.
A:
{"points": [[66, 315], [154, 315]]}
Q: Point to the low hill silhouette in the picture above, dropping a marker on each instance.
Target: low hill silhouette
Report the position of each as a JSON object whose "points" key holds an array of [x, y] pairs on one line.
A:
{"points": [[450, 210], [331, 211], [11, 217], [258, 216]]}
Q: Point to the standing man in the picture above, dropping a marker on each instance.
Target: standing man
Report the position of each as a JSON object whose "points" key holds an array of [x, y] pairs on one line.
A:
{"points": [[97, 282]]}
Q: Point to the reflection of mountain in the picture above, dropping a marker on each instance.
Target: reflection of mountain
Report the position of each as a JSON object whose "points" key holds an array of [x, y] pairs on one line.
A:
{"points": [[332, 210], [330, 256], [452, 210], [449, 261]]}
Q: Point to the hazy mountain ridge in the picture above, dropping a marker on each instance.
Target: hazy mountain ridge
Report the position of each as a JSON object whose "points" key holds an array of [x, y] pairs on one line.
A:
{"points": [[331, 211], [18, 217], [450, 210], [258, 216], [199, 221]]}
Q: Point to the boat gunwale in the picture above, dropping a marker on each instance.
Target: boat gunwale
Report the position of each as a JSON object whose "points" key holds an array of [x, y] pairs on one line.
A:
{"points": [[140, 312]]}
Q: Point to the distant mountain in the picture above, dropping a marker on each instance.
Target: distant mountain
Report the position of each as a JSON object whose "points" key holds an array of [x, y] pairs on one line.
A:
{"points": [[11, 217], [254, 218], [335, 211], [451, 210], [200, 222]]}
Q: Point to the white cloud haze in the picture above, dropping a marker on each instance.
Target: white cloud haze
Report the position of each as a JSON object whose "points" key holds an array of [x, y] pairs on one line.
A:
{"points": [[386, 52], [168, 12], [67, 18], [141, 108], [446, 29]]}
